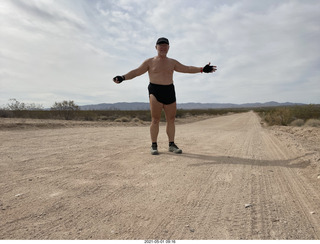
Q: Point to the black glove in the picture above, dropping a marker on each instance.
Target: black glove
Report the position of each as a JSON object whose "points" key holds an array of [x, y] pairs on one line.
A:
{"points": [[208, 68], [119, 78]]}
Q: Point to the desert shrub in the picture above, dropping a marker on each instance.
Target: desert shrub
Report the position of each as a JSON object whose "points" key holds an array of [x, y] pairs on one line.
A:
{"points": [[5, 113], [88, 115], [103, 118], [136, 120], [66, 109], [122, 119], [313, 123], [14, 104], [278, 116], [297, 122], [286, 115]]}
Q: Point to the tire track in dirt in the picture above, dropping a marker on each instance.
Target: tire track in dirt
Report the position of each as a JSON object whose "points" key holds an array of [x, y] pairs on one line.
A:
{"points": [[259, 158], [299, 195]]}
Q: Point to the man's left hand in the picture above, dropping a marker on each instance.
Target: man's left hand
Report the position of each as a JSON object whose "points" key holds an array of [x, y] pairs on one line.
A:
{"points": [[209, 68]]}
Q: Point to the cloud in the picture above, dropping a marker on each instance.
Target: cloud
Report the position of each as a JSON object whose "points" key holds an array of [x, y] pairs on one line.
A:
{"points": [[46, 11], [51, 53], [60, 50]]}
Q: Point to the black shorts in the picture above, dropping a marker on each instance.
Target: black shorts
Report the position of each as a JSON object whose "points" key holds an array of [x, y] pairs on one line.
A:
{"points": [[164, 93]]}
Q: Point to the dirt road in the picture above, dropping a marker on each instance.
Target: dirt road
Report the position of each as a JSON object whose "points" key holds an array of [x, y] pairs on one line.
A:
{"points": [[234, 180]]}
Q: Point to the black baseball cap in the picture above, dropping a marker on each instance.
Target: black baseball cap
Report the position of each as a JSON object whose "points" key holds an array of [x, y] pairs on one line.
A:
{"points": [[163, 40]]}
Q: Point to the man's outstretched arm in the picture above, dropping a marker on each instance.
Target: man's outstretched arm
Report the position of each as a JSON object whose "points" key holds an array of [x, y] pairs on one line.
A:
{"points": [[192, 69], [143, 68]]}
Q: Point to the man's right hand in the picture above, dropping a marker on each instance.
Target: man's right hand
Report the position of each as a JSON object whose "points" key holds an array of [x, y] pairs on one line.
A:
{"points": [[118, 79]]}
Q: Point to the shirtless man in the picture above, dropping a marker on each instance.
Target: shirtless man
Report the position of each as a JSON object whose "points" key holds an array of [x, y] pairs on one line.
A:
{"points": [[161, 90]]}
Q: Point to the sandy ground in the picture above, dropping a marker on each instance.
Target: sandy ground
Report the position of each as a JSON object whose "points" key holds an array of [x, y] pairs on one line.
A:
{"points": [[235, 180]]}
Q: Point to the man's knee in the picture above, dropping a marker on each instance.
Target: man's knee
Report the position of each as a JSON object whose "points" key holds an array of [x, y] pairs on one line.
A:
{"points": [[170, 111], [171, 116], [171, 119], [155, 120]]}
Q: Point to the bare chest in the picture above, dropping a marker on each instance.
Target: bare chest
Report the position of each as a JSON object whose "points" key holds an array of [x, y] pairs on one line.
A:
{"points": [[161, 66]]}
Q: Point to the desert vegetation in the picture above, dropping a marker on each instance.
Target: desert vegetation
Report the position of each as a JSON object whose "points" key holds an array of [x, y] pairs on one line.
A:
{"points": [[302, 115], [308, 115], [68, 110]]}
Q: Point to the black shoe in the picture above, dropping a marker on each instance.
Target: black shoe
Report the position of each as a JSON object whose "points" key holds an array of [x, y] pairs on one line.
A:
{"points": [[174, 148], [154, 150]]}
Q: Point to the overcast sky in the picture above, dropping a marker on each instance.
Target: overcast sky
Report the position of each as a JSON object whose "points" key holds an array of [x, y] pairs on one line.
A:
{"points": [[55, 50]]}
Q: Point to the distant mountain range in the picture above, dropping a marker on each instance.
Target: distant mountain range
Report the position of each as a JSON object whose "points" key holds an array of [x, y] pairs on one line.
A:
{"points": [[145, 106]]}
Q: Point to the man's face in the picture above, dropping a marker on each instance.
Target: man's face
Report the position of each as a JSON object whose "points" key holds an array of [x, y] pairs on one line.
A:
{"points": [[162, 49]]}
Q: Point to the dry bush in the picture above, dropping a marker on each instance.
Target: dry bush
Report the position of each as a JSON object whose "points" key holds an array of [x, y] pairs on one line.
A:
{"points": [[288, 115], [136, 120], [313, 123], [122, 119], [297, 122], [278, 116]]}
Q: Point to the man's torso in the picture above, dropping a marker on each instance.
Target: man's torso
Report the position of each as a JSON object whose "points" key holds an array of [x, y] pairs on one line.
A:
{"points": [[161, 70]]}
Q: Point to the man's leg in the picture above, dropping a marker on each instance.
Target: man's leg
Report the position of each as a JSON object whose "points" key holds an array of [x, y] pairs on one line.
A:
{"points": [[170, 111], [156, 108]]}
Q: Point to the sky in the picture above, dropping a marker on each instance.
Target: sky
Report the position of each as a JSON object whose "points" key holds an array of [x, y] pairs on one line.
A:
{"points": [[55, 50]]}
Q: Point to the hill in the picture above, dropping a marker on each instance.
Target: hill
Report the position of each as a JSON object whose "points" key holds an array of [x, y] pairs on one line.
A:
{"points": [[145, 106]]}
